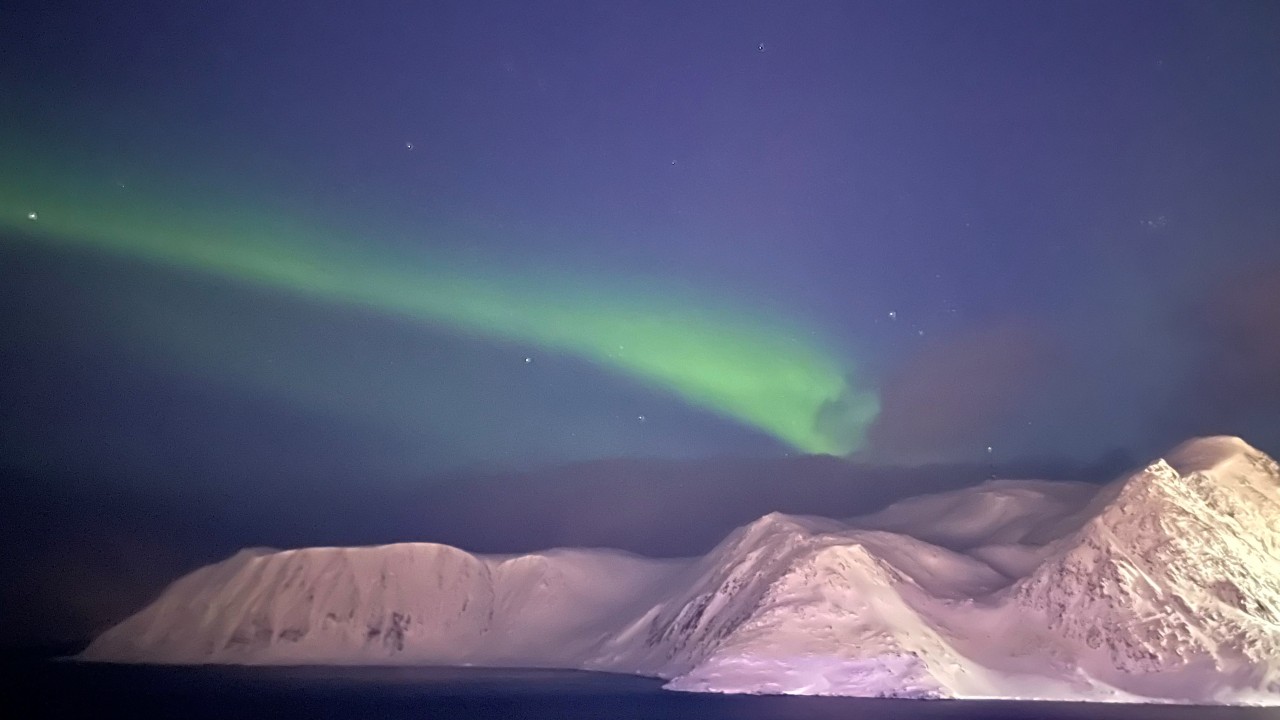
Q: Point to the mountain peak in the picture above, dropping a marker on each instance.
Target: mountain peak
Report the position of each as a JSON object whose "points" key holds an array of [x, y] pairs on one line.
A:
{"points": [[1208, 454], [1212, 477], [1182, 558]]}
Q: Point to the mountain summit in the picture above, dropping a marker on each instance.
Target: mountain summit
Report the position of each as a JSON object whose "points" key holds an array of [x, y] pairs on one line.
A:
{"points": [[1172, 588], [1164, 585]]}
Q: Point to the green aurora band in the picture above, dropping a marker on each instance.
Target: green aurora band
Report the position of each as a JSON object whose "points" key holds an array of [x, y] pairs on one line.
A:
{"points": [[738, 364]]}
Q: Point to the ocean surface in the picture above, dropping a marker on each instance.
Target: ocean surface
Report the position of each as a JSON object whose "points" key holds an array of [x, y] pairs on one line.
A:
{"points": [[65, 689]]}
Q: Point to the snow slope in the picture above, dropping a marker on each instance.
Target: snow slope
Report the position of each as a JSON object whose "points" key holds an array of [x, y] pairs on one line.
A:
{"points": [[1173, 588], [1164, 586], [403, 603]]}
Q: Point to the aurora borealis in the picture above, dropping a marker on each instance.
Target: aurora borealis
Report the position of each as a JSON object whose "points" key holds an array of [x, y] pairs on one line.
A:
{"points": [[407, 240], [767, 376]]}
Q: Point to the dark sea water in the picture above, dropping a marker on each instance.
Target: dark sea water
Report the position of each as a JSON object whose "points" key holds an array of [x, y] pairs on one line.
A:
{"points": [[61, 689]]}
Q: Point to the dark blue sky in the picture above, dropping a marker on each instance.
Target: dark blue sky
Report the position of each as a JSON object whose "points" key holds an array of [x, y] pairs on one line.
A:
{"points": [[1048, 228]]}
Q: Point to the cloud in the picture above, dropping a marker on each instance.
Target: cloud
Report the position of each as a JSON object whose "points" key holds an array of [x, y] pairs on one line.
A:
{"points": [[1232, 382], [952, 396]]}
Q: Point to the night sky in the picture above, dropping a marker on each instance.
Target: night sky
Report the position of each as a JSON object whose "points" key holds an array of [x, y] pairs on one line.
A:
{"points": [[322, 246]]}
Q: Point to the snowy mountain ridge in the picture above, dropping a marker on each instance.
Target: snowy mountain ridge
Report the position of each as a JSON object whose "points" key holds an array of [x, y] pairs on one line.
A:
{"points": [[1178, 574], [1164, 585]]}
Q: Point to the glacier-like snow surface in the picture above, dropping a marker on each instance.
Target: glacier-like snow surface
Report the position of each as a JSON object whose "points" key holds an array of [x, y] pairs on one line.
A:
{"points": [[1163, 586]]}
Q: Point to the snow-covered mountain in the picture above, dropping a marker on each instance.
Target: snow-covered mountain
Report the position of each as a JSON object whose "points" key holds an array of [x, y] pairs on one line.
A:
{"points": [[1164, 585], [394, 604], [1172, 586]]}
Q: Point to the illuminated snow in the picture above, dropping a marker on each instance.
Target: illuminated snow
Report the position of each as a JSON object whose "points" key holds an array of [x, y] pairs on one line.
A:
{"points": [[1163, 586]]}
